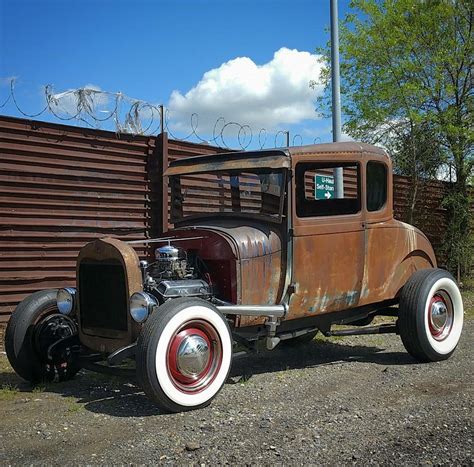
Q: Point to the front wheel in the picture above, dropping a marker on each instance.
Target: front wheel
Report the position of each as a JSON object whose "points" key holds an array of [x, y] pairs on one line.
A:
{"points": [[430, 315], [34, 326], [184, 354]]}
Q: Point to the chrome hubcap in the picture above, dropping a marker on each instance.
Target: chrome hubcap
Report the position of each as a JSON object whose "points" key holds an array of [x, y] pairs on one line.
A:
{"points": [[440, 316], [193, 356]]}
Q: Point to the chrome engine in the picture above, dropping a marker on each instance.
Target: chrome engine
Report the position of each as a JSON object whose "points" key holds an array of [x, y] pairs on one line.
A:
{"points": [[175, 274], [171, 263]]}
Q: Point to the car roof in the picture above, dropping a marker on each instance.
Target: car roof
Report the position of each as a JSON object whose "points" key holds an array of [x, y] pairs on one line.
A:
{"points": [[274, 158]]}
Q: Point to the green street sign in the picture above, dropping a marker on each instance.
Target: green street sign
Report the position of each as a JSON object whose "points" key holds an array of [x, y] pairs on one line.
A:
{"points": [[323, 187]]}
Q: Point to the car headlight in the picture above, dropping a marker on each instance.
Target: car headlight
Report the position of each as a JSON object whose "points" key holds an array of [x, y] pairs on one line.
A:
{"points": [[141, 305], [66, 300]]}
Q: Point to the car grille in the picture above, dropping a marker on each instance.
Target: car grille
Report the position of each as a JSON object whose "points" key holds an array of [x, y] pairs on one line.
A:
{"points": [[103, 296]]}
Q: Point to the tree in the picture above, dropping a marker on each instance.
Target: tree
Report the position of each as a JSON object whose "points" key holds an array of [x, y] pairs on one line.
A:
{"points": [[406, 80], [417, 155]]}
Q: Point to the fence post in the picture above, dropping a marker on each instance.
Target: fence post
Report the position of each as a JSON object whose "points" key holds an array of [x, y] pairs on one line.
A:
{"points": [[156, 167], [162, 119]]}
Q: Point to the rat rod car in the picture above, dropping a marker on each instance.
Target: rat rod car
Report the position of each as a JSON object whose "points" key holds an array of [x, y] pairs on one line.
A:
{"points": [[266, 245]]}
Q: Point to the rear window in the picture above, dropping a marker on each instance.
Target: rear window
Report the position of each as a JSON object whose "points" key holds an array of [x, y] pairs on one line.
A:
{"points": [[376, 185]]}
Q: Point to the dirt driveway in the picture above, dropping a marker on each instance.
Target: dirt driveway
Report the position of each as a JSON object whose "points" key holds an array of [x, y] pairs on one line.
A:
{"points": [[359, 400]]}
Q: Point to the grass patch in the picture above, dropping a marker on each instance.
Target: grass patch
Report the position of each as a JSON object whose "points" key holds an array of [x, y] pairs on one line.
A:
{"points": [[4, 365], [8, 392], [73, 406], [38, 389], [468, 299], [244, 379]]}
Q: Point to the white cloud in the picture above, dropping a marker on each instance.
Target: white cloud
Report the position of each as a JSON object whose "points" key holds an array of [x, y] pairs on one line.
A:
{"points": [[263, 96]]}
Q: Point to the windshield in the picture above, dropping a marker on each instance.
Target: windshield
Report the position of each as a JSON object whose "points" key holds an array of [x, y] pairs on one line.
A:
{"points": [[256, 193]]}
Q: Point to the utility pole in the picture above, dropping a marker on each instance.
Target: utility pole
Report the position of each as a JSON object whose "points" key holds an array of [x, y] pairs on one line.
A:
{"points": [[336, 94]]}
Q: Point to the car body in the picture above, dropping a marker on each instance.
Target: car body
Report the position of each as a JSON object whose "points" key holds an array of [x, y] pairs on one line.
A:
{"points": [[267, 245]]}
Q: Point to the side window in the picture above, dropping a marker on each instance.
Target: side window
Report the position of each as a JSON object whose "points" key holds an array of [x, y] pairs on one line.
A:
{"points": [[316, 189], [376, 185]]}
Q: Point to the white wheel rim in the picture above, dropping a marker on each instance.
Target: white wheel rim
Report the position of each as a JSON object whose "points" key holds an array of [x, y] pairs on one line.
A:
{"points": [[443, 333], [211, 386]]}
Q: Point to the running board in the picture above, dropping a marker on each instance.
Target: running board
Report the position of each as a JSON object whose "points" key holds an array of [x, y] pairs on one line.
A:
{"points": [[381, 329]]}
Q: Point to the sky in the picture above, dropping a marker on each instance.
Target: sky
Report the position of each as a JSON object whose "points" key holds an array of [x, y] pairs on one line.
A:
{"points": [[245, 61]]}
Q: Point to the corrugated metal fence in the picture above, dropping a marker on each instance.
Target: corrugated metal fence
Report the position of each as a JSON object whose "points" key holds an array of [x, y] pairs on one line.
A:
{"points": [[63, 186], [427, 214]]}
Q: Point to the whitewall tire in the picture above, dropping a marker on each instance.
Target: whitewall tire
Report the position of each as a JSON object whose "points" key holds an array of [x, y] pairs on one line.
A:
{"points": [[431, 315], [184, 354]]}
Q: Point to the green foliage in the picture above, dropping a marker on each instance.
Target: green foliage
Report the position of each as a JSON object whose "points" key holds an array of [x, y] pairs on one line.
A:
{"points": [[416, 152], [406, 83], [8, 392], [74, 406], [458, 249]]}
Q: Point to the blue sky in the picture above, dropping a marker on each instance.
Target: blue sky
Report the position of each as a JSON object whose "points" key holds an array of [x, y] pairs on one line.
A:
{"points": [[148, 49]]}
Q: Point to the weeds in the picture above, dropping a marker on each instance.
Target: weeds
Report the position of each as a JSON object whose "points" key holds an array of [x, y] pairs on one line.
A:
{"points": [[38, 389], [8, 392], [73, 406], [468, 299]]}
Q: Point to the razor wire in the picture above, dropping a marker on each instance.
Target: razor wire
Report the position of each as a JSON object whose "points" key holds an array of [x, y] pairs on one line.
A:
{"points": [[138, 117]]}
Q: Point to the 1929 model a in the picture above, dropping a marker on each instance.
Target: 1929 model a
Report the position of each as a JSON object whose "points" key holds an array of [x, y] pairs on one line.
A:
{"points": [[262, 248]]}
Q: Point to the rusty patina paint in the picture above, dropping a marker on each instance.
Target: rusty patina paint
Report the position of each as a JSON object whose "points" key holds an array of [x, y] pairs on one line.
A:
{"points": [[274, 159], [261, 267], [112, 248], [257, 252], [345, 261], [339, 262], [395, 251]]}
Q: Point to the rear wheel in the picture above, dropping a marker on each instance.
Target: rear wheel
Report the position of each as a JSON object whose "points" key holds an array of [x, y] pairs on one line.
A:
{"points": [[184, 354], [34, 326], [430, 315]]}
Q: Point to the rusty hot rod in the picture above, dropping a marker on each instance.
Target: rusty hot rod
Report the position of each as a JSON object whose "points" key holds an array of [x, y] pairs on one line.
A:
{"points": [[265, 246]]}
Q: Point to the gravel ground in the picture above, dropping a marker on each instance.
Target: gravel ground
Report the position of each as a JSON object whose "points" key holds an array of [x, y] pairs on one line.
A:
{"points": [[356, 400]]}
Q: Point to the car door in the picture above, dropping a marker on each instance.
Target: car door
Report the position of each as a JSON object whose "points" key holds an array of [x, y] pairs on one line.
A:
{"points": [[328, 237]]}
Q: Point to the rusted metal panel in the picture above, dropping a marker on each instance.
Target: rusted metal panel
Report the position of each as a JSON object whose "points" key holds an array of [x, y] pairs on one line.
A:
{"points": [[207, 164], [428, 213], [112, 249], [345, 147], [173, 150], [60, 188], [262, 282], [394, 251], [332, 253]]}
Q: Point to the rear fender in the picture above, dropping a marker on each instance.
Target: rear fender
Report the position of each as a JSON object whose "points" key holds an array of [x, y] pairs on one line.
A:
{"points": [[414, 261]]}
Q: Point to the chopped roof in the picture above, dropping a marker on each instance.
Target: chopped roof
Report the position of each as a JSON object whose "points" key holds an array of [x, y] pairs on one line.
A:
{"points": [[274, 158]]}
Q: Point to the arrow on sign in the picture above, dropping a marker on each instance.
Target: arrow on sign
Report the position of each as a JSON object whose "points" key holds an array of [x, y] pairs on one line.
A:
{"points": [[327, 195]]}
